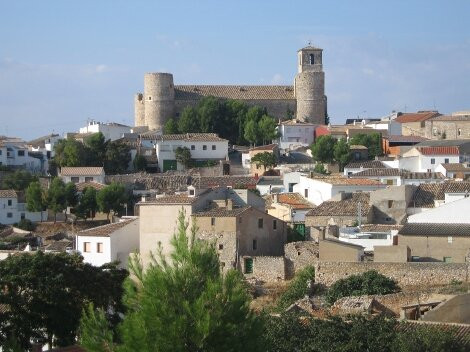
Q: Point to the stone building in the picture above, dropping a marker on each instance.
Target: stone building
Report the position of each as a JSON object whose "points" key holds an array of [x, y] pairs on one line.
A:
{"points": [[413, 124], [162, 99], [455, 126]]}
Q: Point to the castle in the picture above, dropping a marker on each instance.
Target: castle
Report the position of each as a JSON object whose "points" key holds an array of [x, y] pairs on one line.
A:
{"points": [[162, 100]]}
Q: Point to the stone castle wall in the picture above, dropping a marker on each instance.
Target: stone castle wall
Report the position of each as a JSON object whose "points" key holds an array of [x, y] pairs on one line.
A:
{"points": [[310, 94], [159, 99]]}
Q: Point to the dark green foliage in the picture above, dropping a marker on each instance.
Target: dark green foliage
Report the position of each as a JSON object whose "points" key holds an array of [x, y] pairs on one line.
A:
{"points": [[140, 163], [170, 127], [18, 180], [46, 294], [251, 133], [26, 224], [372, 141], [267, 129], [70, 152], [266, 159], [55, 198], [188, 121], [181, 303], [35, 197], [299, 287], [87, 205], [117, 158], [320, 169], [368, 283], [342, 153], [96, 149], [183, 156], [52, 168], [112, 198], [323, 149]]}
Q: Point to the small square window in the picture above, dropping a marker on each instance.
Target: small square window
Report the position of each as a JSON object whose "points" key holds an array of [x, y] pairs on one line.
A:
{"points": [[255, 245], [260, 223], [274, 224], [306, 192], [20, 152], [75, 179], [191, 192], [99, 247], [213, 147], [450, 239], [87, 247], [9, 215], [150, 98], [212, 221], [446, 160], [221, 246], [390, 203], [433, 161], [204, 147], [88, 179], [23, 216], [193, 147], [10, 202]]}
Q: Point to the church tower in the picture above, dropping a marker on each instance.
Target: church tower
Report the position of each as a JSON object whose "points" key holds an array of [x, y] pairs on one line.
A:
{"points": [[309, 86]]}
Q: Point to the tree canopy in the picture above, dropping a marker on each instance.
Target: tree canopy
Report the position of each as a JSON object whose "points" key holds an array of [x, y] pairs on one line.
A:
{"points": [[18, 180], [323, 149], [180, 303], [373, 142], [112, 198], [35, 197], [265, 159], [183, 156]]}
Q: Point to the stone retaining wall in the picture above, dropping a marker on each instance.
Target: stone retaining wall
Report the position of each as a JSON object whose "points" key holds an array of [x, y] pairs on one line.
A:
{"points": [[266, 268]]}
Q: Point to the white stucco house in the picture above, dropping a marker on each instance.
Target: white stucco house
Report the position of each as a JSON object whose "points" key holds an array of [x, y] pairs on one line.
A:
{"points": [[456, 170], [108, 243], [295, 133], [110, 130], [13, 208], [14, 152], [321, 189], [82, 174], [204, 148], [397, 177]]}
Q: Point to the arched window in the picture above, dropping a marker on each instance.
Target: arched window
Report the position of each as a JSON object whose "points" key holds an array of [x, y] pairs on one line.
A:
{"points": [[312, 59]]}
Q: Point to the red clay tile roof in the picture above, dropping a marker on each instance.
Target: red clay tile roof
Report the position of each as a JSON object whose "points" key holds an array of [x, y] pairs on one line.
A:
{"points": [[385, 172], [346, 207], [366, 164], [439, 150], [7, 193], [455, 167], [416, 116], [187, 137], [294, 200], [81, 171], [172, 199], [427, 193], [105, 230]]}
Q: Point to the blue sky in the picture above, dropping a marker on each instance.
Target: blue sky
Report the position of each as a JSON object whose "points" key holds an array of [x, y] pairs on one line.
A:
{"points": [[63, 61]]}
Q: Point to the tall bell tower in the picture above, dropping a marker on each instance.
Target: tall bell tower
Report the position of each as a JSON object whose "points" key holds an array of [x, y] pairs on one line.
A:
{"points": [[309, 86]]}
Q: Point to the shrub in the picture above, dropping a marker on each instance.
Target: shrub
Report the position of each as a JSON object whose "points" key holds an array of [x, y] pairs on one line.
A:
{"points": [[26, 224], [298, 288], [368, 283]]}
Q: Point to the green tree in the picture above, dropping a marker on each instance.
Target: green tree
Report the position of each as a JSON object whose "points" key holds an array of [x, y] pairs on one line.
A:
{"points": [[183, 156], [118, 157], [267, 129], [140, 163], [71, 197], [52, 168], [320, 169], [342, 153], [251, 131], [96, 149], [46, 293], [182, 303], [111, 198], [55, 198], [35, 198], [18, 180], [209, 112], [300, 286], [372, 141], [87, 205], [236, 111], [170, 127], [368, 283], [70, 152], [188, 121], [323, 149], [266, 159]]}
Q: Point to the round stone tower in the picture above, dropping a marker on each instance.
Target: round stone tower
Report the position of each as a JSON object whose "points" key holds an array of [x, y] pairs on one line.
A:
{"points": [[309, 86], [159, 97], [139, 110]]}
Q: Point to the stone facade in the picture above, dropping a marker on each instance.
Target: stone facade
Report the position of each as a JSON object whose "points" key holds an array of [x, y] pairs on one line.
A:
{"points": [[390, 204], [406, 274], [299, 255], [448, 127], [392, 254], [265, 268], [162, 99]]}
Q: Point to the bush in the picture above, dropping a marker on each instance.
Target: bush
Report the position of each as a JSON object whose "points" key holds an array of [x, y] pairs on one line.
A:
{"points": [[26, 224], [298, 288], [320, 169], [368, 283]]}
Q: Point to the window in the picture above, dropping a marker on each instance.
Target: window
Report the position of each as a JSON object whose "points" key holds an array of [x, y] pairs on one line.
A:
{"points": [[191, 192], [446, 160], [213, 147], [150, 98], [20, 152], [415, 258], [459, 132], [221, 246], [9, 215], [212, 221], [312, 59], [204, 147], [193, 147], [429, 170], [248, 265], [88, 179], [99, 247], [422, 124], [274, 224], [433, 161], [75, 179], [390, 203], [450, 239], [255, 245], [260, 223], [87, 247], [389, 182], [23, 216], [306, 192], [447, 260], [10, 202], [388, 219]]}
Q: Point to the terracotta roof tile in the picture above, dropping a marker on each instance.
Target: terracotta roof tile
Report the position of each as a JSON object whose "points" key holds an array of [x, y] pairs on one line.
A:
{"points": [[105, 230], [423, 176], [8, 193], [346, 207], [377, 173], [81, 171], [187, 137], [349, 181], [224, 181], [294, 200], [172, 199], [439, 150], [357, 146], [427, 193], [265, 147], [366, 164], [195, 92], [416, 117], [455, 167]]}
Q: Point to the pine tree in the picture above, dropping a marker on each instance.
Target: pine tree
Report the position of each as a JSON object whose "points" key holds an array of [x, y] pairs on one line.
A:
{"points": [[181, 303]]}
